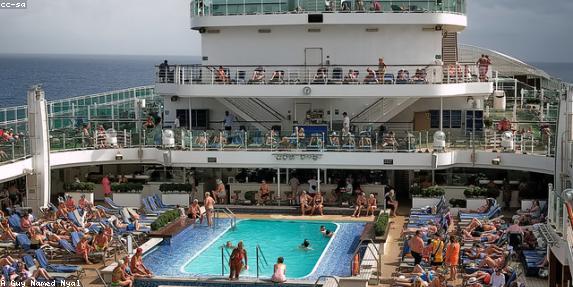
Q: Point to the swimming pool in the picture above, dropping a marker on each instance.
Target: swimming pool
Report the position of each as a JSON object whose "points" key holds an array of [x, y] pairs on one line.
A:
{"points": [[196, 251]]}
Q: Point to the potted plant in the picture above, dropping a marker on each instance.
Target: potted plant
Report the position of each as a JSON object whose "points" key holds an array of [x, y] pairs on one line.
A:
{"points": [[488, 123], [127, 194], [176, 193], [250, 196], [77, 189], [164, 219]]}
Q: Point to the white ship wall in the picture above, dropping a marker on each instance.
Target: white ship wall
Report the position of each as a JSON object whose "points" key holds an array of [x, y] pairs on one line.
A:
{"points": [[424, 105], [346, 45]]}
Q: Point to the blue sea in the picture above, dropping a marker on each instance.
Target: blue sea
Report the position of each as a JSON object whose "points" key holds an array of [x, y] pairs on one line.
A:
{"points": [[64, 76]]}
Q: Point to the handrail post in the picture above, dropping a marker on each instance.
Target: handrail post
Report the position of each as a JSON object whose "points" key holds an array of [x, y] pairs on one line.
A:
{"points": [[222, 261], [204, 141], [64, 141], [257, 262]]}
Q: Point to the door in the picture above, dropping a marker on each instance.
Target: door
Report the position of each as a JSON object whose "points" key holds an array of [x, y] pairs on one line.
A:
{"points": [[183, 118], [312, 59], [300, 112]]}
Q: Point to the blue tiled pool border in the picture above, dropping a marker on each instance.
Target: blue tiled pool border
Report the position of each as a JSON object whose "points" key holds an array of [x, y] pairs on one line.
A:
{"points": [[165, 260]]}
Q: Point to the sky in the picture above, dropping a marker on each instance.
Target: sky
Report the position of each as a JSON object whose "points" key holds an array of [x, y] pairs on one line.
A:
{"points": [[531, 30]]}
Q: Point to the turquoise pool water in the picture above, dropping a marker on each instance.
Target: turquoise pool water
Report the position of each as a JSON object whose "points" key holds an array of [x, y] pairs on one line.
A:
{"points": [[276, 238]]}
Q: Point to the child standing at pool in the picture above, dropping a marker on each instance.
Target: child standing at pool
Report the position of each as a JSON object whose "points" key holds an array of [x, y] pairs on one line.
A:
{"points": [[280, 271]]}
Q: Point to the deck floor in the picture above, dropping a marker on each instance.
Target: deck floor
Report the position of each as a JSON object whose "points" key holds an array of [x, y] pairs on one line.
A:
{"points": [[390, 258]]}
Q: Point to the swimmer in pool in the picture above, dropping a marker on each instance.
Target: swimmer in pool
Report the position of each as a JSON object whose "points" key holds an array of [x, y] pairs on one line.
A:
{"points": [[323, 229], [328, 233], [305, 245], [229, 245]]}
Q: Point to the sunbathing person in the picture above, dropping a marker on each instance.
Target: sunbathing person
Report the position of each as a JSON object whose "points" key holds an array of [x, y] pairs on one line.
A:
{"points": [[482, 209], [479, 226], [83, 249], [480, 276], [304, 200], [258, 75], [100, 241], [83, 203], [119, 276], [318, 204], [372, 205], [194, 212], [70, 203], [478, 252], [7, 261], [490, 262], [483, 238], [133, 225], [7, 233], [137, 268], [372, 77], [428, 229], [360, 203], [25, 223], [62, 211]]}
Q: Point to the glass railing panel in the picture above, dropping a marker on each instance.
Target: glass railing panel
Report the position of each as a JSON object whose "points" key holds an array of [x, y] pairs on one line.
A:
{"points": [[254, 7]]}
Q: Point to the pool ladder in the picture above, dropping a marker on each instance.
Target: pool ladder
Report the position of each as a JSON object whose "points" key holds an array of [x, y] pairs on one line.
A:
{"points": [[369, 246], [224, 251], [228, 213], [261, 263], [333, 278]]}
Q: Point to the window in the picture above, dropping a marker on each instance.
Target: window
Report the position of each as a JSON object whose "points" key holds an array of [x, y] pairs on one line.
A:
{"points": [[199, 119], [474, 118], [452, 119]]}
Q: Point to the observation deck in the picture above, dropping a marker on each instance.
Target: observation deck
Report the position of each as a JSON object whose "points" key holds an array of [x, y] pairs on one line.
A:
{"points": [[292, 12], [338, 81]]}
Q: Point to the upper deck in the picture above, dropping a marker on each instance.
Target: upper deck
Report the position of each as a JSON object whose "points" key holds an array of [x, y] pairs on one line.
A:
{"points": [[289, 12]]}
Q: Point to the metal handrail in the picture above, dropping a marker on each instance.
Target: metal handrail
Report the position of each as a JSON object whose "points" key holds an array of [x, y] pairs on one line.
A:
{"points": [[223, 257], [375, 253], [326, 276], [229, 214], [264, 263]]}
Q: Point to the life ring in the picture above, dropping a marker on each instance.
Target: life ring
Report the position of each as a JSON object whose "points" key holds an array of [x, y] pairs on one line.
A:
{"points": [[356, 265], [306, 90]]}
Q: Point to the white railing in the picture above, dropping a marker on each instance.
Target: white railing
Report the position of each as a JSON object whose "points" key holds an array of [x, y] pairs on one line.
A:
{"points": [[316, 74]]}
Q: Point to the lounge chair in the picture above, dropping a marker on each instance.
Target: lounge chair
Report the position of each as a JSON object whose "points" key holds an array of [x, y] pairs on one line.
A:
{"points": [[160, 203], [14, 222], [321, 76], [60, 268], [31, 265], [112, 204], [23, 241], [337, 77]]}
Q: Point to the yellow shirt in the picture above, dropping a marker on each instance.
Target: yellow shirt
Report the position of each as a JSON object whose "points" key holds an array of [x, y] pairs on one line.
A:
{"points": [[438, 250]]}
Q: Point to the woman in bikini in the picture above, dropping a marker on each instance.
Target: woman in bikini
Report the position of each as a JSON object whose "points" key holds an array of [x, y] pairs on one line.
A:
{"points": [[83, 249], [100, 241], [279, 274], [7, 233], [372, 205], [137, 268], [304, 199], [318, 201], [238, 255]]}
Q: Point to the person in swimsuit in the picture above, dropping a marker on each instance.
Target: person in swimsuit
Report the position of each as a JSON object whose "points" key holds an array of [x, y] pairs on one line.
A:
{"points": [[209, 208], [372, 205], [119, 277], [194, 212], [220, 193], [101, 241], [452, 257], [7, 233], [318, 201], [238, 255], [304, 199], [137, 268], [305, 245], [83, 203], [279, 274], [83, 249], [360, 203], [264, 192]]}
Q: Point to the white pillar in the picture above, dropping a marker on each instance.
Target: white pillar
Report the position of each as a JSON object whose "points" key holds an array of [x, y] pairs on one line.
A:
{"points": [[38, 181], [441, 113], [318, 180], [279, 185]]}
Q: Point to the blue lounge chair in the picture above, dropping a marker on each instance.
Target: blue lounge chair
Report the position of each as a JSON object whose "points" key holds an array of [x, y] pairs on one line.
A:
{"points": [[160, 203], [67, 246], [23, 241], [72, 217], [29, 261], [14, 222], [60, 268], [112, 204], [154, 206], [76, 236]]}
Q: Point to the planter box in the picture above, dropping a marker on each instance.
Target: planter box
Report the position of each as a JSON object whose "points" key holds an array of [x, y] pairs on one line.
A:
{"points": [[475, 203], [127, 199], [181, 199], [419, 202], [77, 195]]}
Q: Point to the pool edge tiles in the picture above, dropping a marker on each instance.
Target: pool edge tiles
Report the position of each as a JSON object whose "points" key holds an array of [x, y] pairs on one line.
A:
{"points": [[167, 260]]}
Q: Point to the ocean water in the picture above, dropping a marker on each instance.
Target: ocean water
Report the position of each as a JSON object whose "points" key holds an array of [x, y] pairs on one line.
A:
{"points": [[64, 76]]}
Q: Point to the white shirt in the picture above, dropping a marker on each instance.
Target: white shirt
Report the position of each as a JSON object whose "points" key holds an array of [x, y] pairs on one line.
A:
{"points": [[313, 183], [346, 122], [228, 120], [497, 280], [176, 123]]}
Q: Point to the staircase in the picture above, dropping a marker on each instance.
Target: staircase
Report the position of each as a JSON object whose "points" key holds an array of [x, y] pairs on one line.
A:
{"points": [[450, 48], [253, 110], [383, 110]]}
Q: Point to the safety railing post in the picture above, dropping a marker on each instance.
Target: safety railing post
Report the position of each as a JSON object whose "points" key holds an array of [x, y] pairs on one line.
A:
{"points": [[64, 141], [13, 151], [204, 141], [223, 261], [257, 262]]}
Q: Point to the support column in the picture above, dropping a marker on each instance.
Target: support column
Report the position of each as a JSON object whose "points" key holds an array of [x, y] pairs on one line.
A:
{"points": [[441, 113], [318, 180], [279, 185], [325, 177], [38, 180]]}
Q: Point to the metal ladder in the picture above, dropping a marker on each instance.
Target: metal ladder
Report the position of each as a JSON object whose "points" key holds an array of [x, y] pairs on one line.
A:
{"points": [[228, 213], [365, 243], [326, 276], [224, 251], [260, 263]]}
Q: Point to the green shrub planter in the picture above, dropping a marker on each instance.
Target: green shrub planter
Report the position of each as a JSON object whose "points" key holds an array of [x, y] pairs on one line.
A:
{"points": [[250, 195], [477, 192], [460, 203], [381, 225], [131, 187], [176, 188], [432, 191], [79, 187], [164, 219]]}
